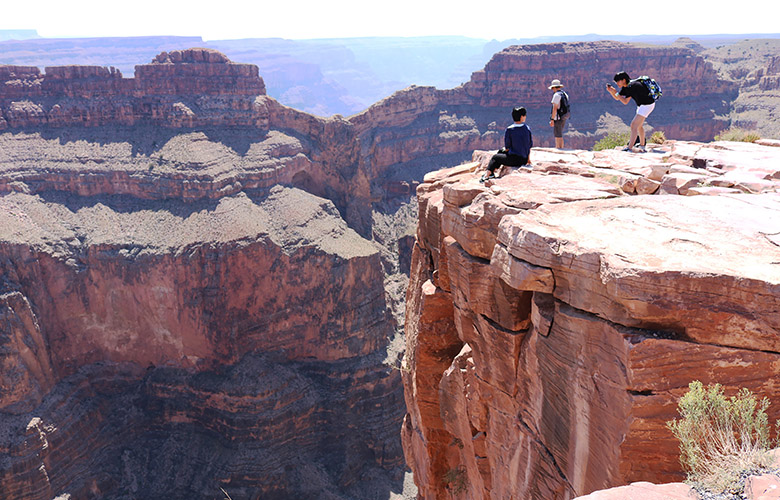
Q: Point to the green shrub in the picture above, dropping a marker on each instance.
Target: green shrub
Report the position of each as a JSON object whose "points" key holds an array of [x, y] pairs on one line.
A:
{"points": [[720, 437], [738, 135], [612, 140], [658, 137]]}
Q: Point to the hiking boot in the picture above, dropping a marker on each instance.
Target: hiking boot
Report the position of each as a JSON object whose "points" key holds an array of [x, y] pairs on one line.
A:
{"points": [[628, 148], [641, 149]]}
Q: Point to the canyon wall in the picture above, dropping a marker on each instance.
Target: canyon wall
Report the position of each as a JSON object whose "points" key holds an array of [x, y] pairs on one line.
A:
{"points": [[420, 128], [170, 347], [556, 314], [403, 136], [183, 88], [754, 67], [183, 307], [200, 286]]}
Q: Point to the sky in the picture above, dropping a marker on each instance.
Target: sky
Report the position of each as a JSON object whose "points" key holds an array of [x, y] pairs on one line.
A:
{"points": [[302, 19]]}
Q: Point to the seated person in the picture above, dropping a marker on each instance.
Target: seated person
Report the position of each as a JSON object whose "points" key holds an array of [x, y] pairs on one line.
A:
{"points": [[517, 145]]}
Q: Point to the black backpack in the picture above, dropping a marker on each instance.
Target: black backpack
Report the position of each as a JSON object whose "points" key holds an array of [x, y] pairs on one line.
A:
{"points": [[563, 107], [652, 87]]}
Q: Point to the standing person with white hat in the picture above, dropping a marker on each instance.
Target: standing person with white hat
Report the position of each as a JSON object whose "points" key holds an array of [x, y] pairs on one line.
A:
{"points": [[560, 111]]}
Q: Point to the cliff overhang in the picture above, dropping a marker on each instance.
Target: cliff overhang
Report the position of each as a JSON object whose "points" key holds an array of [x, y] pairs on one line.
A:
{"points": [[556, 314]]}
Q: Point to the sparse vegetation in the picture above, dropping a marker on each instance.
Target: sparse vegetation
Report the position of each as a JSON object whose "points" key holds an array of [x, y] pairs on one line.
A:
{"points": [[738, 135], [658, 137], [455, 479], [611, 178], [721, 438], [619, 139], [612, 140]]}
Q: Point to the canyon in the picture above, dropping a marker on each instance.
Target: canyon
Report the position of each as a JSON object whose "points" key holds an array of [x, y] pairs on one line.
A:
{"points": [[179, 314], [754, 65], [347, 75], [203, 288]]}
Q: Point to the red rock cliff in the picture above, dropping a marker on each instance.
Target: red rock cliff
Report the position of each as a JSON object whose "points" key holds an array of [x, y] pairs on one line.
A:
{"points": [[555, 317], [187, 88], [153, 337], [414, 130], [406, 134], [183, 307], [160, 293]]}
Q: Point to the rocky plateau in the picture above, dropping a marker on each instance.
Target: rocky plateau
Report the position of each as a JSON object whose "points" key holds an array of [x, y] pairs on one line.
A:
{"points": [[556, 314]]}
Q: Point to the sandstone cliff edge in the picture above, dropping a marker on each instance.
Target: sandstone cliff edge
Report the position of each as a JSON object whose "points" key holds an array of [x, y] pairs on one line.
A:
{"points": [[555, 315]]}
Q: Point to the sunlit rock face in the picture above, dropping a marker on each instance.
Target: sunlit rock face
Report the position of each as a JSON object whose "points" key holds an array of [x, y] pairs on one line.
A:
{"points": [[183, 306], [183, 88], [555, 316], [188, 283]]}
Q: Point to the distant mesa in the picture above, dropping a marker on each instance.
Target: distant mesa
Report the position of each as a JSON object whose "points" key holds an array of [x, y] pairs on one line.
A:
{"points": [[689, 43], [213, 90], [194, 55], [18, 34]]}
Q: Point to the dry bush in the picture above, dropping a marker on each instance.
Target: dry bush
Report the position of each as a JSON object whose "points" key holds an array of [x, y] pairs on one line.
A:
{"points": [[738, 135], [721, 438], [658, 137]]}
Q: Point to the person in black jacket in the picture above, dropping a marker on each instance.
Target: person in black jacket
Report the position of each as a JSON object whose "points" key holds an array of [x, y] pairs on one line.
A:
{"points": [[518, 142], [645, 104]]}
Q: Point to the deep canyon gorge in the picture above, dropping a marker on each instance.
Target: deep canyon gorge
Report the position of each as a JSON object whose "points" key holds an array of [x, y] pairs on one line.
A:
{"points": [[202, 288]]}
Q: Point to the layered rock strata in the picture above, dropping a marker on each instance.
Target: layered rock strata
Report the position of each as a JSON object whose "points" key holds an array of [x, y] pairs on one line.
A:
{"points": [[403, 136], [754, 66], [183, 306], [146, 237], [420, 128], [174, 343], [555, 316], [184, 88]]}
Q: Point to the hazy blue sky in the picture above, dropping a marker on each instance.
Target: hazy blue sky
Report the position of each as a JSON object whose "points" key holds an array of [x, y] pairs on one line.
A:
{"points": [[499, 19]]}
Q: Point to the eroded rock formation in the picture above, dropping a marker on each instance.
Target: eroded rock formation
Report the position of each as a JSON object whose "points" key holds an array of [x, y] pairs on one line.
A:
{"points": [[186, 88], [753, 66], [422, 128], [554, 316], [161, 338], [187, 283], [183, 308]]}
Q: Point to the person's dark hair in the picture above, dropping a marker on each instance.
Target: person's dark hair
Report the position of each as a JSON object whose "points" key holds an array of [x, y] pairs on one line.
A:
{"points": [[517, 113], [622, 76]]}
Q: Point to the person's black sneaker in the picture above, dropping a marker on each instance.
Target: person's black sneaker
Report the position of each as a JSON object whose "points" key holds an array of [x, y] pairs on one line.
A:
{"points": [[487, 176]]}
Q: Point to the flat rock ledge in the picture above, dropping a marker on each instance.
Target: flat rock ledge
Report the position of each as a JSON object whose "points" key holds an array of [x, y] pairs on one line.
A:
{"points": [[556, 314]]}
